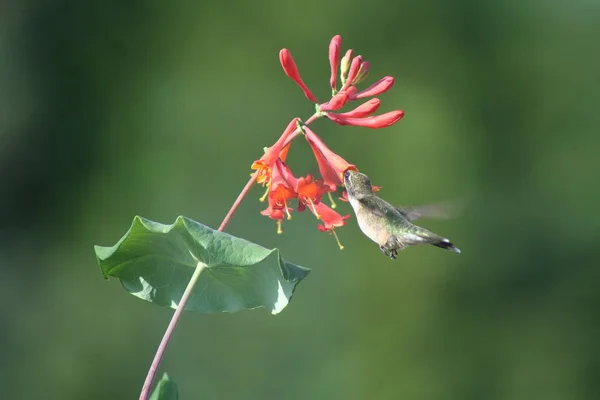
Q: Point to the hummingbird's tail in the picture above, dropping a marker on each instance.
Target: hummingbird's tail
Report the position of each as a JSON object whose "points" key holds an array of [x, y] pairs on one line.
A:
{"points": [[445, 244], [421, 235]]}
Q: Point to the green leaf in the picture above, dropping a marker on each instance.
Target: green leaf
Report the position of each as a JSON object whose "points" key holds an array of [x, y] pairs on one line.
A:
{"points": [[155, 262], [165, 389]]}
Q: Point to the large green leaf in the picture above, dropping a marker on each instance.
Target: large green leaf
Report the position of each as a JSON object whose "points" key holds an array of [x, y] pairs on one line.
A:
{"points": [[155, 262], [165, 389]]}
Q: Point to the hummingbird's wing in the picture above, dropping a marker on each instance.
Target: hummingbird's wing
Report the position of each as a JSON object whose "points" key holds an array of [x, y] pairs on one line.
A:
{"points": [[379, 207], [438, 210]]}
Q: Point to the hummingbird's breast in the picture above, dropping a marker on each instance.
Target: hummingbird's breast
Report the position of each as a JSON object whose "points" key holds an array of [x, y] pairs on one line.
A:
{"points": [[372, 225]]}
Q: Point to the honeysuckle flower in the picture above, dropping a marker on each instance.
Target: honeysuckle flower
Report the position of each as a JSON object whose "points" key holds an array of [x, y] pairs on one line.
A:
{"points": [[373, 122], [276, 214], [364, 110], [331, 220], [265, 164], [379, 87], [291, 70], [334, 59], [279, 197], [309, 193], [279, 193], [331, 165], [272, 171], [339, 100]]}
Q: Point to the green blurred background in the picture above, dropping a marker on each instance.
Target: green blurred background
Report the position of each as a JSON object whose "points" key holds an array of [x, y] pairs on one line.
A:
{"points": [[117, 108]]}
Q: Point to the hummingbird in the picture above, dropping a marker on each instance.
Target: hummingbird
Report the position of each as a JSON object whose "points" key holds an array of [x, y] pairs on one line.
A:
{"points": [[388, 226]]}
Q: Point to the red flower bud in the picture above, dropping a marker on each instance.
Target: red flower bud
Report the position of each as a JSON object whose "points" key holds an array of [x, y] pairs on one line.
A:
{"points": [[361, 111], [379, 87], [334, 58], [375, 122], [291, 70], [339, 100]]}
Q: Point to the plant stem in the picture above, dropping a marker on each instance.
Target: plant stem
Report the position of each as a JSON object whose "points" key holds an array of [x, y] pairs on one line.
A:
{"points": [[293, 135], [237, 202], [167, 336], [162, 347], [145, 394]]}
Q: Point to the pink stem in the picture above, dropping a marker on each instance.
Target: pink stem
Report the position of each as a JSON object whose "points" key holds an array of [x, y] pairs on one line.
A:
{"points": [[237, 202], [162, 347]]}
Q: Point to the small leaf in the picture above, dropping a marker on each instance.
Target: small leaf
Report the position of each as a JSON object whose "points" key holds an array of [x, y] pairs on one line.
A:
{"points": [[165, 389], [155, 263]]}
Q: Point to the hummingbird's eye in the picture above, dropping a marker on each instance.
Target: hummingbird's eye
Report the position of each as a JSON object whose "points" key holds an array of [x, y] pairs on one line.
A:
{"points": [[347, 174]]}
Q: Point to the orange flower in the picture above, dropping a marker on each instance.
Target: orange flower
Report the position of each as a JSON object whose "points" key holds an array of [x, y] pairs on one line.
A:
{"points": [[265, 164], [279, 193], [310, 193]]}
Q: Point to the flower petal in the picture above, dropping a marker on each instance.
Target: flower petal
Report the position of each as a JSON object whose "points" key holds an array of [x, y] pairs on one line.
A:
{"points": [[310, 192], [330, 218]]}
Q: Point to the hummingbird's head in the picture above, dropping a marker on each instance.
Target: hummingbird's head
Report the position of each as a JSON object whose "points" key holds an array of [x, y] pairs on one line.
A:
{"points": [[357, 185]]}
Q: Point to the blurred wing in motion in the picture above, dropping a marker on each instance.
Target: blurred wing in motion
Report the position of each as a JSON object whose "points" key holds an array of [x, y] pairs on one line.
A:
{"points": [[438, 211]]}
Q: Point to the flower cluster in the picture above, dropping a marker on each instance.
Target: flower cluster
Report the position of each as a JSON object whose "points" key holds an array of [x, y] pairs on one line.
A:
{"points": [[271, 169]]}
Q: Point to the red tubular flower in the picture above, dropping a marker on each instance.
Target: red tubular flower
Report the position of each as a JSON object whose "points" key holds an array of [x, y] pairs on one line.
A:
{"points": [[291, 70], [379, 87], [361, 111], [331, 165], [310, 193], [265, 164], [330, 177], [334, 59], [271, 170], [274, 213], [374, 122], [279, 197], [339, 100], [331, 220], [280, 192]]}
